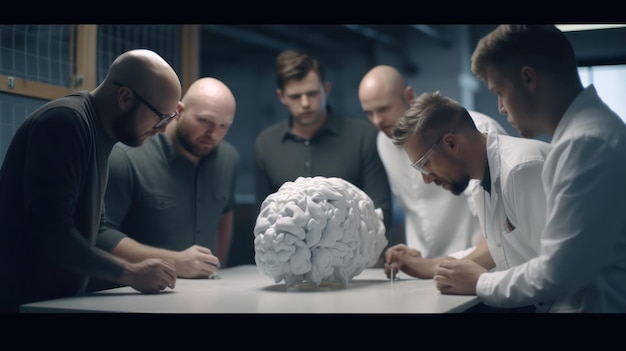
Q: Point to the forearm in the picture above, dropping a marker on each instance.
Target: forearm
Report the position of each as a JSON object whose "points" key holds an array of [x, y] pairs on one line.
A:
{"points": [[133, 251], [481, 255], [423, 268], [78, 256], [428, 267]]}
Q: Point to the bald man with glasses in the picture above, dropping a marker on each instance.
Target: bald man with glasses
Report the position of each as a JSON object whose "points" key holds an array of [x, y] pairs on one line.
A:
{"points": [[53, 180], [164, 118]]}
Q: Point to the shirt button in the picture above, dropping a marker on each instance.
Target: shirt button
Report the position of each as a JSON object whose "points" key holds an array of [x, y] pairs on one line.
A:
{"points": [[307, 163], [306, 143], [499, 244]]}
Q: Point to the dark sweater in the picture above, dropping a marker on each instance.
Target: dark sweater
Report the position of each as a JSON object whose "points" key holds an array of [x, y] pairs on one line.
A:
{"points": [[52, 185]]}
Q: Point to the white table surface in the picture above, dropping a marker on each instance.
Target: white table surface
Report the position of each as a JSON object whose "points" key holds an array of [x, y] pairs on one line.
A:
{"points": [[243, 289]]}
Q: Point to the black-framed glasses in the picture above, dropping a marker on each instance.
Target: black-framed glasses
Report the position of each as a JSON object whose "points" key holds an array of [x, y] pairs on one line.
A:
{"points": [[164, 118], [419, 164]]}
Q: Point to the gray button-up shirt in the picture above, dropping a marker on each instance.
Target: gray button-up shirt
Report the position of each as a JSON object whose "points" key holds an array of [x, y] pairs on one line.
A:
{"points": [[159, 198], [344, 148]]}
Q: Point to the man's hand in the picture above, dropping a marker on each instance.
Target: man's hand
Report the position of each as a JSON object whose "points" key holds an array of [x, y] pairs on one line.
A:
{"points": [[196, 262], [400, 257], [458, 277], [149, 276]]}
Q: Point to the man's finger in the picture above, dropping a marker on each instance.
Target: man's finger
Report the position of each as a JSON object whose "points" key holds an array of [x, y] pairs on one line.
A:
{"points": [[215, 264], [446, 264]]}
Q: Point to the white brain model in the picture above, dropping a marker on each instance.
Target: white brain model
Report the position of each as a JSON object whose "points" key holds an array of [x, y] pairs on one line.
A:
{"points": [[318, 229]]}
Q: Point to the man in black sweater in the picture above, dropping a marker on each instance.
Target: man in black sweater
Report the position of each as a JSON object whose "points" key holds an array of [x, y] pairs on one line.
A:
{"points": [[53, 179]]}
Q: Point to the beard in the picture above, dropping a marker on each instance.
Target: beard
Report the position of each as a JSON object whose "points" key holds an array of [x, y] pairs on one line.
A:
{"points": [[185, 141], [125, 130], [458, 186]]}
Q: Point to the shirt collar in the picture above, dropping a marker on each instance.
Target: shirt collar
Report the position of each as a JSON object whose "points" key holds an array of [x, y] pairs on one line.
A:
{"points": [[587, 96], [170, 150], [332, 126], [486, 182]]}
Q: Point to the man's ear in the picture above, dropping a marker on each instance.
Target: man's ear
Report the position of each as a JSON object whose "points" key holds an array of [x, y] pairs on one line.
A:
{"points": [[279, 93], [123, 97], [409, 93], [450, 142], [529, 78]]}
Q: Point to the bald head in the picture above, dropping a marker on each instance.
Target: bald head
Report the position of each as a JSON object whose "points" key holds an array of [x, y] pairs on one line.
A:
{"points": [[213, 92], [381, 80], [139, 89], [207, 112], [384, 96], [150, 75]]}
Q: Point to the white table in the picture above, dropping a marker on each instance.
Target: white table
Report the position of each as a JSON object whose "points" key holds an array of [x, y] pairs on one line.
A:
{"points": [[243, 289]]}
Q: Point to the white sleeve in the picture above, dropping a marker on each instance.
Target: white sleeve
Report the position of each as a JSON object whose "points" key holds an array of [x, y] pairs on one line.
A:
{"points": [[462, 253]]}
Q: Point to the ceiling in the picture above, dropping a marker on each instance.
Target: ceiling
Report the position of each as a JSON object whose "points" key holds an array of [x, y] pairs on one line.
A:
{"points": [[234, 42], [229, 40]]}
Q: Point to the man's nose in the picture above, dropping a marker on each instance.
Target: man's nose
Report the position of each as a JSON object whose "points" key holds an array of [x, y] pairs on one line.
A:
{"points": [[377, 119], [428, 178], [304, 100], [501, 108]]}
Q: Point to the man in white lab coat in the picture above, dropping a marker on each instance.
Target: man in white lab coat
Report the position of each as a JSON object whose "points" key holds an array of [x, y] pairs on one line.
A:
{"points": [[444, 145], [581, 266], [429, 226]]}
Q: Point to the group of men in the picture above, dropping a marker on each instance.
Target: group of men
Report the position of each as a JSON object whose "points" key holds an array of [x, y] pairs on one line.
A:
{"points": [[551, 215], [96, 192]]}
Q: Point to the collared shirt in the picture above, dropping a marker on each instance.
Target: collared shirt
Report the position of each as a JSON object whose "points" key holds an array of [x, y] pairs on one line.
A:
{"points": [[486, 182], [512, 214], [159, 198], [582, 262], [436, 222], [343, 148]]}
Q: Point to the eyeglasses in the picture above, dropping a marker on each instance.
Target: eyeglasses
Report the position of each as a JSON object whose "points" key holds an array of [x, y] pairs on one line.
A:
{"points": [[419, 164], [163, 117]]}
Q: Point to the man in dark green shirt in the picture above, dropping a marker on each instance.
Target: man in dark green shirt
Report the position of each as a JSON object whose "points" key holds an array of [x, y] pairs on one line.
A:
{"points": [[313, 141], [173, 197]]}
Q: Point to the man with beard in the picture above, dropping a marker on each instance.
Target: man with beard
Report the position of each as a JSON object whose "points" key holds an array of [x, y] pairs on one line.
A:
{"points": [[53, 180], [533, 71], [173, 198], [444, 145], [385, 96]]}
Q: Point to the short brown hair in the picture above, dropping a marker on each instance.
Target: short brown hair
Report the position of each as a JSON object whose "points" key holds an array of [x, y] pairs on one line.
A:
{"points": [[293, 64], [430, 116], [543, 47]]}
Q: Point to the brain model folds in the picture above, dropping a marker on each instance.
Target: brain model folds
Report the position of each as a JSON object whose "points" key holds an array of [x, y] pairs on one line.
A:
{"points": [[318, 229]]}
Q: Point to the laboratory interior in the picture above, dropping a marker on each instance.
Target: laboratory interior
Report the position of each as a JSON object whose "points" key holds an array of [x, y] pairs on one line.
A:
{"points": [[42, 62]]}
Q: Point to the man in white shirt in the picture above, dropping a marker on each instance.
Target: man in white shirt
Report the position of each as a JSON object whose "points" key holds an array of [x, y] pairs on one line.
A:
{"points": [[581, 266], [445, 147], [436, 222]]}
